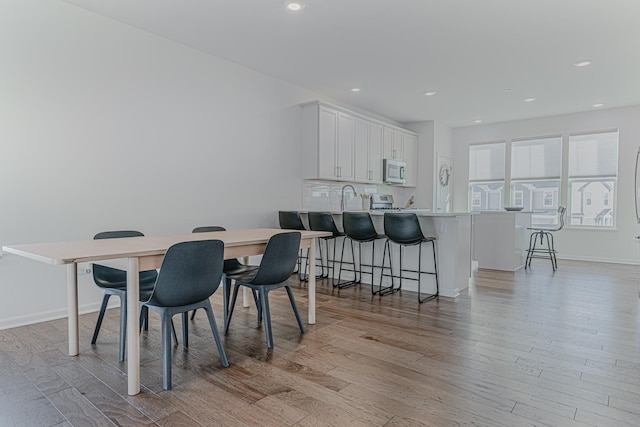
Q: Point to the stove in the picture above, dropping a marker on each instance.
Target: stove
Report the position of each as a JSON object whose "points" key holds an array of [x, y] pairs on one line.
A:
{"points": [[382, 202]]}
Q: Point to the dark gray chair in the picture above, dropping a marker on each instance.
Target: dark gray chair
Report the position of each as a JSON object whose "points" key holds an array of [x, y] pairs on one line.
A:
{"points": [[190, 273], [542, 233], [404, 230], [277, 265], [323, 221], [114, 282], [231, 266], [291, 220], [358, 227]]}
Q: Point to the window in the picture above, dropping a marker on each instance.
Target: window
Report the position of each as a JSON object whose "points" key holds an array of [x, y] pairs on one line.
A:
{"points": [[593, 175], [477, 200], [518, 199], [536, 168], [486, 176]]}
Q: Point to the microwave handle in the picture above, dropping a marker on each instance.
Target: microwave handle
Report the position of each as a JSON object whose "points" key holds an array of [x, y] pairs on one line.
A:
{"points": [[401, 172]]}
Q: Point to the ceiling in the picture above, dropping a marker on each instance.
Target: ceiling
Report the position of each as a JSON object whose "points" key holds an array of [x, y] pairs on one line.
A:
{"points": [[482, 57]]}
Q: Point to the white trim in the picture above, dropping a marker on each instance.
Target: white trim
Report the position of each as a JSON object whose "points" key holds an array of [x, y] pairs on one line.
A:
{"points": [[45, 316]]}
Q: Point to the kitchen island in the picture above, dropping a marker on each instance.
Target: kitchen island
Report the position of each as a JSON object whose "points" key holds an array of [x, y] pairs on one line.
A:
{"points": [[500, 239], [453, 234]]}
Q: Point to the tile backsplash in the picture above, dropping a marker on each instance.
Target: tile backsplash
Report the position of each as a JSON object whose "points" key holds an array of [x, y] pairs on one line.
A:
{"points": [[325, 195]]}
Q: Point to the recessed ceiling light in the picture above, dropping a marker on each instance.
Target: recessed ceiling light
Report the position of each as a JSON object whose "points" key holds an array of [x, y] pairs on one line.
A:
{"points": [[583, 63], [431, 93], [477, 121], [529, 99], [355, 89], [598, 105], [294, 6]]}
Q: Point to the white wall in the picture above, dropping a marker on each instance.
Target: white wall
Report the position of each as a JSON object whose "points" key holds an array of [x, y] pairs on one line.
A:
{"points": [[600, 245], [103, 126]]}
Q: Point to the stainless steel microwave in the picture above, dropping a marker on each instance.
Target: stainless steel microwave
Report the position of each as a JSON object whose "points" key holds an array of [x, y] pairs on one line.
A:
{"points": [[393, 171]]}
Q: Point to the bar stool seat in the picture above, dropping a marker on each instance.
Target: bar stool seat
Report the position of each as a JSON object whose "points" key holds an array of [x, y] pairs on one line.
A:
{"points": [[323, 221], [404, 230], [291, 220], [542, 234], [358, 227]]}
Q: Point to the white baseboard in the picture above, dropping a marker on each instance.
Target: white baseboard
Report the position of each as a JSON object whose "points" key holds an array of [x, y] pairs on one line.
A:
{"points": [[30, 319], [634, 261]]}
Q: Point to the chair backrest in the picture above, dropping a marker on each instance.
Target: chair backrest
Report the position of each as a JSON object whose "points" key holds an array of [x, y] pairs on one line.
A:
{"points": [[290, 220], [358, 225], [322, 221], [279, 258], [190, 273], [229, 264], [561, 212], [208, 228], [107, 277], [402, 227]]}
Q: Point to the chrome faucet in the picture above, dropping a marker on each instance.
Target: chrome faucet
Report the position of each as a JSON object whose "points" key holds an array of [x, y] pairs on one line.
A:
{"points": [[342, 197]]}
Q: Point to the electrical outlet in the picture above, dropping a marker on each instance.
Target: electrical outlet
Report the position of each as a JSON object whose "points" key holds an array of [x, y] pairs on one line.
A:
{"points": [[84, 269]]}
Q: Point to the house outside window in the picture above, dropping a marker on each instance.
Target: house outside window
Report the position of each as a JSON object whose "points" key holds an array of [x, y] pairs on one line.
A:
{"points": [[486, 176], [536, 169], [518, 199], [593, 175]]}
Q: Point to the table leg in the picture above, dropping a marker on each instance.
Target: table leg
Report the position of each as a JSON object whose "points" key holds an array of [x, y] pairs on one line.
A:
{"points": [[311, 284], [72, 309], [133, 326]]}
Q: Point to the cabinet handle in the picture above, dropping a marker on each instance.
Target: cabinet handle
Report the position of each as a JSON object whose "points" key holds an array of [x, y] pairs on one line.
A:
{"points": [[338, 171], [394, 154]]}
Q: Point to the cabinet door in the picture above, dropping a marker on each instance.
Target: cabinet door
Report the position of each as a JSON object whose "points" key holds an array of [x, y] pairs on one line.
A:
{"points": [[398, 144], [346, 133], [387, 143], [361, 157], [375, 153], [327, 142], [410, 151]]}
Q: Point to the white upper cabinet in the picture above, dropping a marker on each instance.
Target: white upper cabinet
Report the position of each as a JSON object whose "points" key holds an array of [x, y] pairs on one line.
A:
{"points": [[375, 153], [327, 143], [340, 145], [368, 152], [393, 144], [345, 147]]}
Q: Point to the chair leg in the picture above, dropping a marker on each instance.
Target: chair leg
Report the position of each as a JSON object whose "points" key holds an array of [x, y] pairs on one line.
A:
{"points": [[226, 288], [264, 299], [166, 351], [173, 332], [123, 327], [216, 335], [103, 309], [256, 299], [193, 314], [295, 307], [231, 306], [185, 329]]}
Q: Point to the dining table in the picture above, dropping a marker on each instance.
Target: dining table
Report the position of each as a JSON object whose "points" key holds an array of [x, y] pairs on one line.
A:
{"points": [[135, 254]]}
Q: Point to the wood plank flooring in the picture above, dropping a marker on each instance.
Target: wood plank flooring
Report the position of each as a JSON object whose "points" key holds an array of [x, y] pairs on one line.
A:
{"points": [[530, 348]]}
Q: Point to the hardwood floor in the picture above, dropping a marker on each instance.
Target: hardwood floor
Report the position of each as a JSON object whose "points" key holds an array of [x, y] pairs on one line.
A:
{"points": [[530, 348]]}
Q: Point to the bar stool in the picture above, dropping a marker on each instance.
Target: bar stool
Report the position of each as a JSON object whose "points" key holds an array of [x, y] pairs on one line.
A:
{"points": [[291, 220], [404, 230], [358, 227], [544, 233], [323, 221]]}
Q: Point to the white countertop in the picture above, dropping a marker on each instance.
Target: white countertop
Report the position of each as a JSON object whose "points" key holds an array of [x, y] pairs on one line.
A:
{"points": [[503, 212], [419, 212]]}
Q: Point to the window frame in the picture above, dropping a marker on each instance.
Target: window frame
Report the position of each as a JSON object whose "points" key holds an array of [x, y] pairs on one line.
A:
{"points": [[572, 179]]}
